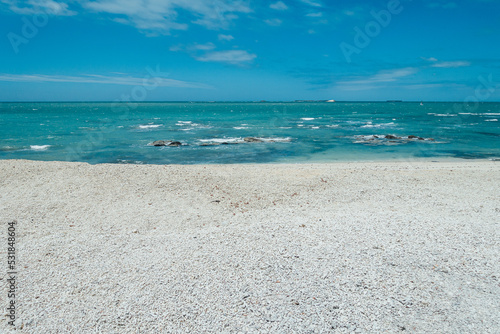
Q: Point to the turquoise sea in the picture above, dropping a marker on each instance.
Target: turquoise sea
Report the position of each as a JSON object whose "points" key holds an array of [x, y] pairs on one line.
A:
{"points": [[215, 132]]}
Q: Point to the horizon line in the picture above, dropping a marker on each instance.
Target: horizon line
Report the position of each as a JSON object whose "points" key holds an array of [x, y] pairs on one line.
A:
{"points": [[253, 101]]}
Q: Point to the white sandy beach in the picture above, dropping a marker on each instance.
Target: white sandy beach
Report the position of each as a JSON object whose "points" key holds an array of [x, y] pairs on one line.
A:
{"points": [[309, 248]]}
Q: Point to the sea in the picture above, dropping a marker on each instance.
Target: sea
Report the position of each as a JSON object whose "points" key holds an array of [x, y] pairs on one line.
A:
{"points": [[253, 132]]}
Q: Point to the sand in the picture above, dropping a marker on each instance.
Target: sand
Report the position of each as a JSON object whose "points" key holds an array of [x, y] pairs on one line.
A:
{"points": [[308, 248]]}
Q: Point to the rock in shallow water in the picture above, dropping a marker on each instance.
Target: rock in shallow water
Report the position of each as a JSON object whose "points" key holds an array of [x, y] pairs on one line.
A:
{"points": [[166, 143], [252, 140], [375, 140], [391, 137], [160, 143]]}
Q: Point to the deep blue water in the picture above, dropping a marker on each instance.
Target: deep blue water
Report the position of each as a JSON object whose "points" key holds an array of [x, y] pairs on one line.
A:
{"points": [[292, 132]]}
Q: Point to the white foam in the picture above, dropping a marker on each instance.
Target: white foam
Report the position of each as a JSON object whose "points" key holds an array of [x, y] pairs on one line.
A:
{"points": [[491, 120], [193, 125], [315, 127], [40, 147], [332, 126], [150, 126], [445, 115], [240, 127], [370, 125], [223, 140], [307, 119], [241, 140], [277, 139], [368, 137], [481, 114]]}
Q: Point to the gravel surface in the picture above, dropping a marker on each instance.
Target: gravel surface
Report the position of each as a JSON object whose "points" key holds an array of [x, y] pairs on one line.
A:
{"points": [[386, 247]]}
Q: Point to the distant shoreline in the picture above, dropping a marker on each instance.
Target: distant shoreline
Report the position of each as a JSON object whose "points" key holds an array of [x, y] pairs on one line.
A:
{"points": [[297, 101]]}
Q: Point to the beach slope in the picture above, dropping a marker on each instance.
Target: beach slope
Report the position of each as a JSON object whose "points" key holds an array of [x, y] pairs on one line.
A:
{"points": [[307, 248]]}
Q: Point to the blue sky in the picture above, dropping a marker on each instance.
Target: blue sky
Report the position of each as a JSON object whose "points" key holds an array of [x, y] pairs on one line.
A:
{"points": [[179, 50]]}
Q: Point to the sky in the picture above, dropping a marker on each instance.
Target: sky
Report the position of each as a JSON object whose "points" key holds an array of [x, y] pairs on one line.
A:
{"points": [[249, 50]]}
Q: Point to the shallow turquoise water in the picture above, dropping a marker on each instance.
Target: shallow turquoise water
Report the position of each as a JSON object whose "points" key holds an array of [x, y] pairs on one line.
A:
{"points": [[293, 132]]}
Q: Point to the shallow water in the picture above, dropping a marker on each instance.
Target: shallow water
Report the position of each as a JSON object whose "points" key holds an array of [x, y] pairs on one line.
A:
{"points": [[291, 132]]}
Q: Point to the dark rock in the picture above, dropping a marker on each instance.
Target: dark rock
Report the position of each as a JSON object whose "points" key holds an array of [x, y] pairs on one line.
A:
{"points": [[161, 143], [391, 137], [252, 140], [217, 144], [166, 143], [412, 137]]}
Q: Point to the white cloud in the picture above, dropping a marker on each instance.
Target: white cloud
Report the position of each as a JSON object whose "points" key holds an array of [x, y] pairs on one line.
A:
{"points": [[223, 37], [274, 22], [230, 56], [429, 59], [452, 64], [382, 77], [312, 3], [193, 47], [30, 7], [160, 16], [318, 14], [99, 79], [280, 5], [204, 47], [176, 48]]}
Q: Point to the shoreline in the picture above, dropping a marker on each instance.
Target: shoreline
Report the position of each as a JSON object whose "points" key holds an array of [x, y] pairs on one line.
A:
{"points": [[315, 247], [291, 163]]}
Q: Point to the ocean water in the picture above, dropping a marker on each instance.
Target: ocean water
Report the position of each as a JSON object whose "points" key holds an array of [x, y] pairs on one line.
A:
{"points": [[214, 133]]}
